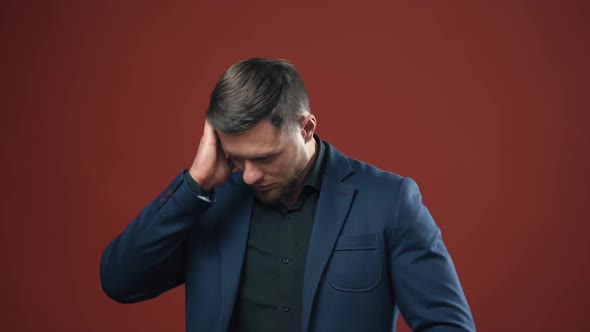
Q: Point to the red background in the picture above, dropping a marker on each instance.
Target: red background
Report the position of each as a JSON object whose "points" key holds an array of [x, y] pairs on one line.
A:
{"points": [[485, 105]]}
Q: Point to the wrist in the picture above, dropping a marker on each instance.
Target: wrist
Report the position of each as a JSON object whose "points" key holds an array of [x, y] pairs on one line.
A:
{"points": [[200, 180]]}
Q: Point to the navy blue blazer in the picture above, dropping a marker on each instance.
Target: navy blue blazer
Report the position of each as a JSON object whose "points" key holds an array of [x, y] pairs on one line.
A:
{"points": [[374, 251]]}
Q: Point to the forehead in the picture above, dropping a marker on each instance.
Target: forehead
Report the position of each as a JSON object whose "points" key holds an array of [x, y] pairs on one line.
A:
{"points": [[257, 141]]}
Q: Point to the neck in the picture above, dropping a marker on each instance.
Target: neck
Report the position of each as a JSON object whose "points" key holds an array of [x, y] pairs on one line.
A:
{"points": [[312, 150]]}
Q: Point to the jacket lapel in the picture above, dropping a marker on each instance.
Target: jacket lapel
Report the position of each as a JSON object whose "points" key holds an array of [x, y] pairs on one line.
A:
{"points": [[233, 236], [333, 206]]}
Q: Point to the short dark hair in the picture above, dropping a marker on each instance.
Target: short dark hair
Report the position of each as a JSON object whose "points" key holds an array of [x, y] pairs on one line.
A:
{"points": [[255, 89]]}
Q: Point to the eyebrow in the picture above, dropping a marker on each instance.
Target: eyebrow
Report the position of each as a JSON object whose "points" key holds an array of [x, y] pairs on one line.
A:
{"points": [[255, 157]]}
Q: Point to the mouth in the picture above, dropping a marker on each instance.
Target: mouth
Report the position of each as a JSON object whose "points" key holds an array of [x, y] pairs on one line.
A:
{"points": [[263, 188]]}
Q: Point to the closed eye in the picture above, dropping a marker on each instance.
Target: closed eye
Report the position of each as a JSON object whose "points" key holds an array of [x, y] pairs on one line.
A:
{"points": [[260, 159], [264, 159]]}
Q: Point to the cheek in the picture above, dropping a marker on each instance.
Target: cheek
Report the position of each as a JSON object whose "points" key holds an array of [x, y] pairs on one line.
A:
{"points": [[272, 171], [287, 167], [278, 169]]}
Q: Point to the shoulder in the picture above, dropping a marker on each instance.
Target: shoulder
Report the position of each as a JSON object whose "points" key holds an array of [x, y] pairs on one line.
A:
{"points": [[368, 176], [363, 171], [370, 180]]}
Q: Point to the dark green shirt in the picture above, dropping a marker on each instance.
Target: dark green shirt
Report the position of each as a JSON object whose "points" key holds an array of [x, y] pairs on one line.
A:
{"points": [[270, 293]]}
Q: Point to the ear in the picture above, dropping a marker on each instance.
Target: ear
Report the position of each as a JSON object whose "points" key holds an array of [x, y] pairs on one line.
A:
{"points": [[308, 126]]}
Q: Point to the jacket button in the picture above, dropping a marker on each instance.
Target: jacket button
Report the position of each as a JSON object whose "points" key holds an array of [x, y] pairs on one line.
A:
{"points": [[162, 200], [169, 193], [286, 260], [285, 308]]}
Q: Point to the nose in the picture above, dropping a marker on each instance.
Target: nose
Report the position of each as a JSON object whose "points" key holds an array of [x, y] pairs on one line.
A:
{"points": [[251, 173]]}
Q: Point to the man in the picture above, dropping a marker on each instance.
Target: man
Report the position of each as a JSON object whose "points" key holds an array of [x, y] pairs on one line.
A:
{"points": [[273, 229]]}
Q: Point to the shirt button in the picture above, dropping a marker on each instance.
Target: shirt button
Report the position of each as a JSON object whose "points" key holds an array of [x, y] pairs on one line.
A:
{"points": [[286, 260], [285, 308]]}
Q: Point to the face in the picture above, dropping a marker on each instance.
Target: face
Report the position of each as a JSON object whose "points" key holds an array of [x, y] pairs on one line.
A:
{"points": [[271, 161]]}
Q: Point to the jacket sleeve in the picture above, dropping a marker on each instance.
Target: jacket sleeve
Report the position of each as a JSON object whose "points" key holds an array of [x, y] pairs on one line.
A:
{"points": [[425, 284], [147, 259]]}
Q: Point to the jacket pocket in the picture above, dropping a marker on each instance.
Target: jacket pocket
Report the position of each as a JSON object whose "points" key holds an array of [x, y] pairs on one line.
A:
{"points": [[356, 263]]}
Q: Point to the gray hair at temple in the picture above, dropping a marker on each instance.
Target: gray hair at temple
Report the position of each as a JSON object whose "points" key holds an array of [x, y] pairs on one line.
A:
{"points": [[255, 89]]}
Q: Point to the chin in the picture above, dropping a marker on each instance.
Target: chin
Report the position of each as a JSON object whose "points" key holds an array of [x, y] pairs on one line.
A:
{"points": [[269, 197], [267, 200]]}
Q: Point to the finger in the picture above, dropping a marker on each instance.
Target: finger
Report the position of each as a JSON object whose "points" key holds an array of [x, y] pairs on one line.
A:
{"points": [[209, 133]]}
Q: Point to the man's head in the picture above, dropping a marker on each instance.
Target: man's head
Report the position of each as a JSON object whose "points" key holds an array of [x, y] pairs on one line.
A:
{"points": [[260, 111], [256, 89]]}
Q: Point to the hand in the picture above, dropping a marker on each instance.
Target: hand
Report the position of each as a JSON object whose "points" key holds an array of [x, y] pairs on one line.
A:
{"points": [[210, 167]]}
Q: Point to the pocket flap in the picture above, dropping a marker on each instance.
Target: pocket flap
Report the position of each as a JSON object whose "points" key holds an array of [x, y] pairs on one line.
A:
{"points": [[357, 242]]}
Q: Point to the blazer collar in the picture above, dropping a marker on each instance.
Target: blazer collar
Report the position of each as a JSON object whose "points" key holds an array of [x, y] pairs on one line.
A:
{"points": [[335, 200]]}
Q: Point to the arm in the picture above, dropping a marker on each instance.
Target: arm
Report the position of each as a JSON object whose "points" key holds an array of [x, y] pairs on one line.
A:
{"points": [[426, 285], [147, 259]]}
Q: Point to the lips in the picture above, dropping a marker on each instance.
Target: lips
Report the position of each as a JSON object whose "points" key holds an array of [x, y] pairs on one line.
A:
{"points": [[263, 188]]}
